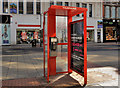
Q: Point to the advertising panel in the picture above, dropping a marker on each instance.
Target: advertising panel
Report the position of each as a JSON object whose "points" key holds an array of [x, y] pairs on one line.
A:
{"points": [[77, 47], [5, 34]]}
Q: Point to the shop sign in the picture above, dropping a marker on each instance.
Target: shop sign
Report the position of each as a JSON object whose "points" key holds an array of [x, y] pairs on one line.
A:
{"points": [[77, 47], [100, 24], [13, 8], [5, 34]]}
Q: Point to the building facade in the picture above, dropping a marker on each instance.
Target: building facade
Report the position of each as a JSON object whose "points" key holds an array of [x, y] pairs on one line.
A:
{"points": [[111, 21], [27, 18]]}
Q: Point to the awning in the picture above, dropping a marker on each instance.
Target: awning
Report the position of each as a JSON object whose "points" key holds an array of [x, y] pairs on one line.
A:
{"points": [[28, 26]]}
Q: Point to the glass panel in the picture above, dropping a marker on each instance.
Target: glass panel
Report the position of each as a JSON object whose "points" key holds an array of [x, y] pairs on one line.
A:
{"points": [[45, 36], [61, 29], [38, 7], [84, 6], [51, 3], [20, 7], [66, 4], [29, 7], [90, 10], [59, 3], [107, 12], [5, 7], [62, 53], [77, 5], [113, 12], [61, 59]]}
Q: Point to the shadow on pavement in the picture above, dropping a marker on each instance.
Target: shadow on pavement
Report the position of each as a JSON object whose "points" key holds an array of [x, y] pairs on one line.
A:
{"points": [[57, 81]]}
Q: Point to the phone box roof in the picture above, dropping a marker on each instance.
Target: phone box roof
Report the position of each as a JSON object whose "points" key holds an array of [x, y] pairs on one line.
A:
{"points": [[65, 10]]}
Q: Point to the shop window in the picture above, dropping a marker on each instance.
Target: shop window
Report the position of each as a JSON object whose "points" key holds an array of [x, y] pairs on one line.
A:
{"points": [[51, 3], [107, 12], [26, 36], [29, 7], [20, 7], [112, 12], [38, 7], [66, 4], [59, 3], [110, 33], [78, 5], [90, 10], [5, 7]]}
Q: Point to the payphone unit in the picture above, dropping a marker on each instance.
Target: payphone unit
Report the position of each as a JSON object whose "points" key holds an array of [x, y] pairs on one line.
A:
{"points": [[53, 46]]}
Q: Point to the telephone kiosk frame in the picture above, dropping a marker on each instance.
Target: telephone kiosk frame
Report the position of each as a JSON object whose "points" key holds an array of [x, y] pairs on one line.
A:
{"points": [[52, 40]]}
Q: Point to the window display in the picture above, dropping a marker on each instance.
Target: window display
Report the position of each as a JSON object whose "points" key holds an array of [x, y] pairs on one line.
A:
{"points": [[26, 36], [110, 33]]}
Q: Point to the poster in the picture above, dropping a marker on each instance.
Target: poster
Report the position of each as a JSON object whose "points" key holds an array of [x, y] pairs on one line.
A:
{"points": [[77, 47], [24, 35], [5, 34], [100, 24], [35, 35], [13, 8]]}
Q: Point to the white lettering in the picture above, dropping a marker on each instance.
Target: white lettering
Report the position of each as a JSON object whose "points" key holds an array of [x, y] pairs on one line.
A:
{"points": [[69, 8]]}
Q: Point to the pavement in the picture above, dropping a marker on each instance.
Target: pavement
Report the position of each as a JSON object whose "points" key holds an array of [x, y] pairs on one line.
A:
{"points": [[22, 66]]}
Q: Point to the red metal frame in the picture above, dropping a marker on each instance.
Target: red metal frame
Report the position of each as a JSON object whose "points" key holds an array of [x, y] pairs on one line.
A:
{"points": [[52, 12], [85, 49]]}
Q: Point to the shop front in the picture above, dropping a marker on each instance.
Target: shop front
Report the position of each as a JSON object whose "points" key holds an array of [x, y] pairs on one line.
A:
{"points": [[25, 36], [111, 30]]}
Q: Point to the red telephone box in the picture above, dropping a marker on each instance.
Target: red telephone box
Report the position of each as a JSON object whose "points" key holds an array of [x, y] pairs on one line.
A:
{"points": [[76, 40]]}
